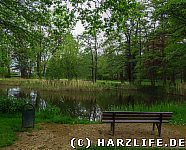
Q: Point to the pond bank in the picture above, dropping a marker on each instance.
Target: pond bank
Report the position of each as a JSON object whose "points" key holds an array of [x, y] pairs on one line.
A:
{"points": [[65, 85], [82, 85]]}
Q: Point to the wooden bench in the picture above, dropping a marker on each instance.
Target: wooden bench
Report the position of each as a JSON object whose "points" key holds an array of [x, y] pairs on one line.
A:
{"points": [[157, 118]]}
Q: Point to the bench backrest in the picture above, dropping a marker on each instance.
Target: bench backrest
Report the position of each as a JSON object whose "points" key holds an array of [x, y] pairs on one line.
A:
{"points": [[135, 116]]}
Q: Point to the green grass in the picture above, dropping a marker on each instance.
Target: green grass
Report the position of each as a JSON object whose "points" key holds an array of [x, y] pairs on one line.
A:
{"points": [[178, 109], [9, 125], [11, 118], [53, 115]]}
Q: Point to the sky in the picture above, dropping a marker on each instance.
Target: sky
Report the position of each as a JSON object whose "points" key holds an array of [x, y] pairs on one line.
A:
{"points": [[78, 29]]}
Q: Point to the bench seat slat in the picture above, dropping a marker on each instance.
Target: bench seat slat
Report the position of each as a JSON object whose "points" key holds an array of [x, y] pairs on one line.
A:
{"points": [[133, 112], [134, 121], [144, 115], [130, 116], [139, 117]]}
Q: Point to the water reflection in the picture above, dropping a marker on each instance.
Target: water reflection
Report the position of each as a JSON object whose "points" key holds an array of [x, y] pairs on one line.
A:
{"points": [[13, 92], [31, 97], [88, 105]]}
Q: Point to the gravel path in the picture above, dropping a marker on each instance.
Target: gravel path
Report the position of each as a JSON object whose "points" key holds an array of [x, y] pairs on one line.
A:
{"points": [[58, 136]]}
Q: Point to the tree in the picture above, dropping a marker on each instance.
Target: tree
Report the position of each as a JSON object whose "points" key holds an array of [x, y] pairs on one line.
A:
{"points": [[173, 25], [64, 62], [26, 26]]}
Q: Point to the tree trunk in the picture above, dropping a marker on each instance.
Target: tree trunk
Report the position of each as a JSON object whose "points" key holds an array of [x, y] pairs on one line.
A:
{"points": [[184, 74], [173, 78], [181, 76], [24, 73], [140, 52], [38, 64], [129, 58], [8, 71], [122, 76], [96, 58], [129, 63], [93, 67]]}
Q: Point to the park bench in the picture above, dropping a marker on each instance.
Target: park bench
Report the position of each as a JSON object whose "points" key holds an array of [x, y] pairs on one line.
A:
{"points": [[157, 118]]}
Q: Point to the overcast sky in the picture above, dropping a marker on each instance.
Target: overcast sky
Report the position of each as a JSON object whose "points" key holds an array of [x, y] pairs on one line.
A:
{"points": [[78, 29], [79, 26]]}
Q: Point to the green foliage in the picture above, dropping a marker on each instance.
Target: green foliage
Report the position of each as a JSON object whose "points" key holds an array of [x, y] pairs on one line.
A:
{"points": [[168, 38], [84, 65], [54, 70], [3, 71], [64, 63], [11, 105], [123, 40]]}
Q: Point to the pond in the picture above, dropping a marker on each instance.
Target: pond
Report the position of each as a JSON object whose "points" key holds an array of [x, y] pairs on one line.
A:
{"points": [[89, 105]]}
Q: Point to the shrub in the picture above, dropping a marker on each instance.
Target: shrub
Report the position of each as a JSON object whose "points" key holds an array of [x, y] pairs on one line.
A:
{"points": [[11, 105]]}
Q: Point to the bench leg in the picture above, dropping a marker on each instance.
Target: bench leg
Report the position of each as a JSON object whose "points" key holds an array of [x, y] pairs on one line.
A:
{"points": [[158, 125], [159, 128], [112, 127]]}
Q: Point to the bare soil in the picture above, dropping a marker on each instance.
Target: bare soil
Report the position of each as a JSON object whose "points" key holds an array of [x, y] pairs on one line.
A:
{"points": [[58, 136]]}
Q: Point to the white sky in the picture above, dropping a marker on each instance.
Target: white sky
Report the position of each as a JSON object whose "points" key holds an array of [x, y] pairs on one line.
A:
{"points": [[78, 29]]}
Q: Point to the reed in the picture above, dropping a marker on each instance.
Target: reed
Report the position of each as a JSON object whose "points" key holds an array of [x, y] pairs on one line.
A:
{"points": [[57, 85], [83, 85]]}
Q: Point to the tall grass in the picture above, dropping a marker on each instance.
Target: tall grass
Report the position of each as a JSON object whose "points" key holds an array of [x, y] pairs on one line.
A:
{"points": [[53, 114], [83, 85], [178, 109], [56, 85]]}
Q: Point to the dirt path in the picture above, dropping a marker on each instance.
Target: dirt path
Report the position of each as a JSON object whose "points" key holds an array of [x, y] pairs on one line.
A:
{"points": [[58, 136]]}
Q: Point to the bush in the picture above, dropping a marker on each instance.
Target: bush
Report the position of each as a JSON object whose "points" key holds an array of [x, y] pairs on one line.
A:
{"points": [[11, 105]]}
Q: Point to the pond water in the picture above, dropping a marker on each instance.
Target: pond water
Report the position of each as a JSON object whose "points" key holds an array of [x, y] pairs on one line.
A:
{"points": [[89, 105]]}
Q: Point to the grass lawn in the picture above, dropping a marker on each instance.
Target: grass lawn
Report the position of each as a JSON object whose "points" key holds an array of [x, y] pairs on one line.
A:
{"points": [[9, 125]]}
